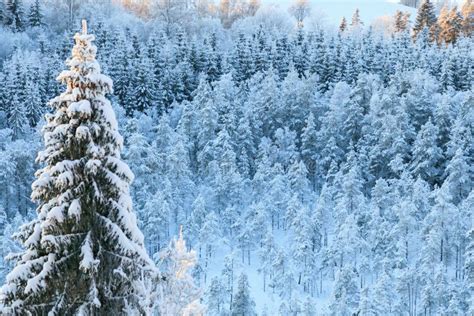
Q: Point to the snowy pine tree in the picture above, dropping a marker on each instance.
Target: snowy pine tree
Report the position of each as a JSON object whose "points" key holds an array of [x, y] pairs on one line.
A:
{"points": [[14, 16], [401, 21], [83, 253], [343, 24], [425, 18], [467, 12], [243, 304], [35, 17], [469, 267], [356, 21]]}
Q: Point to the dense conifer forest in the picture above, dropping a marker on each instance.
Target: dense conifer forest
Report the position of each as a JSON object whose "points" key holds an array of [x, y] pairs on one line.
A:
{"points": [[312, 170]]}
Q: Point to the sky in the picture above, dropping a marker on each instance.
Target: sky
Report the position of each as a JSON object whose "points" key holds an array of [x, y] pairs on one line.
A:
{"points": [[334, 10]]}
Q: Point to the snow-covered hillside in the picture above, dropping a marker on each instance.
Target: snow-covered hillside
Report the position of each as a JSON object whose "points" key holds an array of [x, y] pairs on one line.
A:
{"points": [[308, 170]]}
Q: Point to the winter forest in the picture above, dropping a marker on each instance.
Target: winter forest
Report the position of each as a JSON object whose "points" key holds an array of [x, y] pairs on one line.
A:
{"points": [[238, 158]]}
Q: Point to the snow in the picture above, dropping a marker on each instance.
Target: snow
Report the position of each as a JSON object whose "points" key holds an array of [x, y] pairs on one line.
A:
{"points": [[83, 108], [128, 219], [35, 237], [56, 213], [93, 165], [121, 167], [192, 163], [21, 272], [65, 178], [88, 262], [82, 132], [38, 281], [42, 182], [101, 80], [75, 208], [108, 112]]}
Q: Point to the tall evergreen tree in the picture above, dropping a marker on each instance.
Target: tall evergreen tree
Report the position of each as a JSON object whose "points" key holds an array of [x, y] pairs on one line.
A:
{"points": [[83, 253], [2, 12], [469, 267], [14, 15], [467, 12], [356, 21], [215, 297], [142, 90], [346, 294], [427, 155], [401, 21], [33, 105], [35, 18], [450, 24], [343, 25], [243, 304], [16, 117], [426, 17]]}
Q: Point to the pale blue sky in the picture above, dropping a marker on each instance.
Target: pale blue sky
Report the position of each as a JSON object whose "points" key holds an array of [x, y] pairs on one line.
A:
{"points": [[334, 10]]}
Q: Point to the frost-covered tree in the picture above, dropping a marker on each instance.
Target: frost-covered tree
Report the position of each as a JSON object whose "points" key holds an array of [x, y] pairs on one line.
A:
{"points": [[401, 21], [14, 15], [16, 117], [179, 295], [33, 104], [300, 9], [156, 221], [243, 304], [343, 24], [142, 90], [467, 11], [8, 244], [356, 21], [309, 139], [306, 243], [426, 17], [459, 176], [346, 293], [35, 17], [209, 236], [84, 252], [427, 155], [282, 281], [383, 293], [215, 298], [469, 267], [449, 23]]}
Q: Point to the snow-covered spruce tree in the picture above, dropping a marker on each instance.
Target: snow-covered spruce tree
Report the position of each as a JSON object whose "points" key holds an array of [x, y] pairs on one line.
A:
{"points": [[426, 17], [84, 253], [356, 21], [35, 17], [467, 11], [243, 304], [401, 21], [14, 15], [343, 25]]}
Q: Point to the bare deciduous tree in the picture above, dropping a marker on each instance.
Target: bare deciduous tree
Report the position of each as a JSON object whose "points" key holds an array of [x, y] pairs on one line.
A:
{"points": [[300, 9]]}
